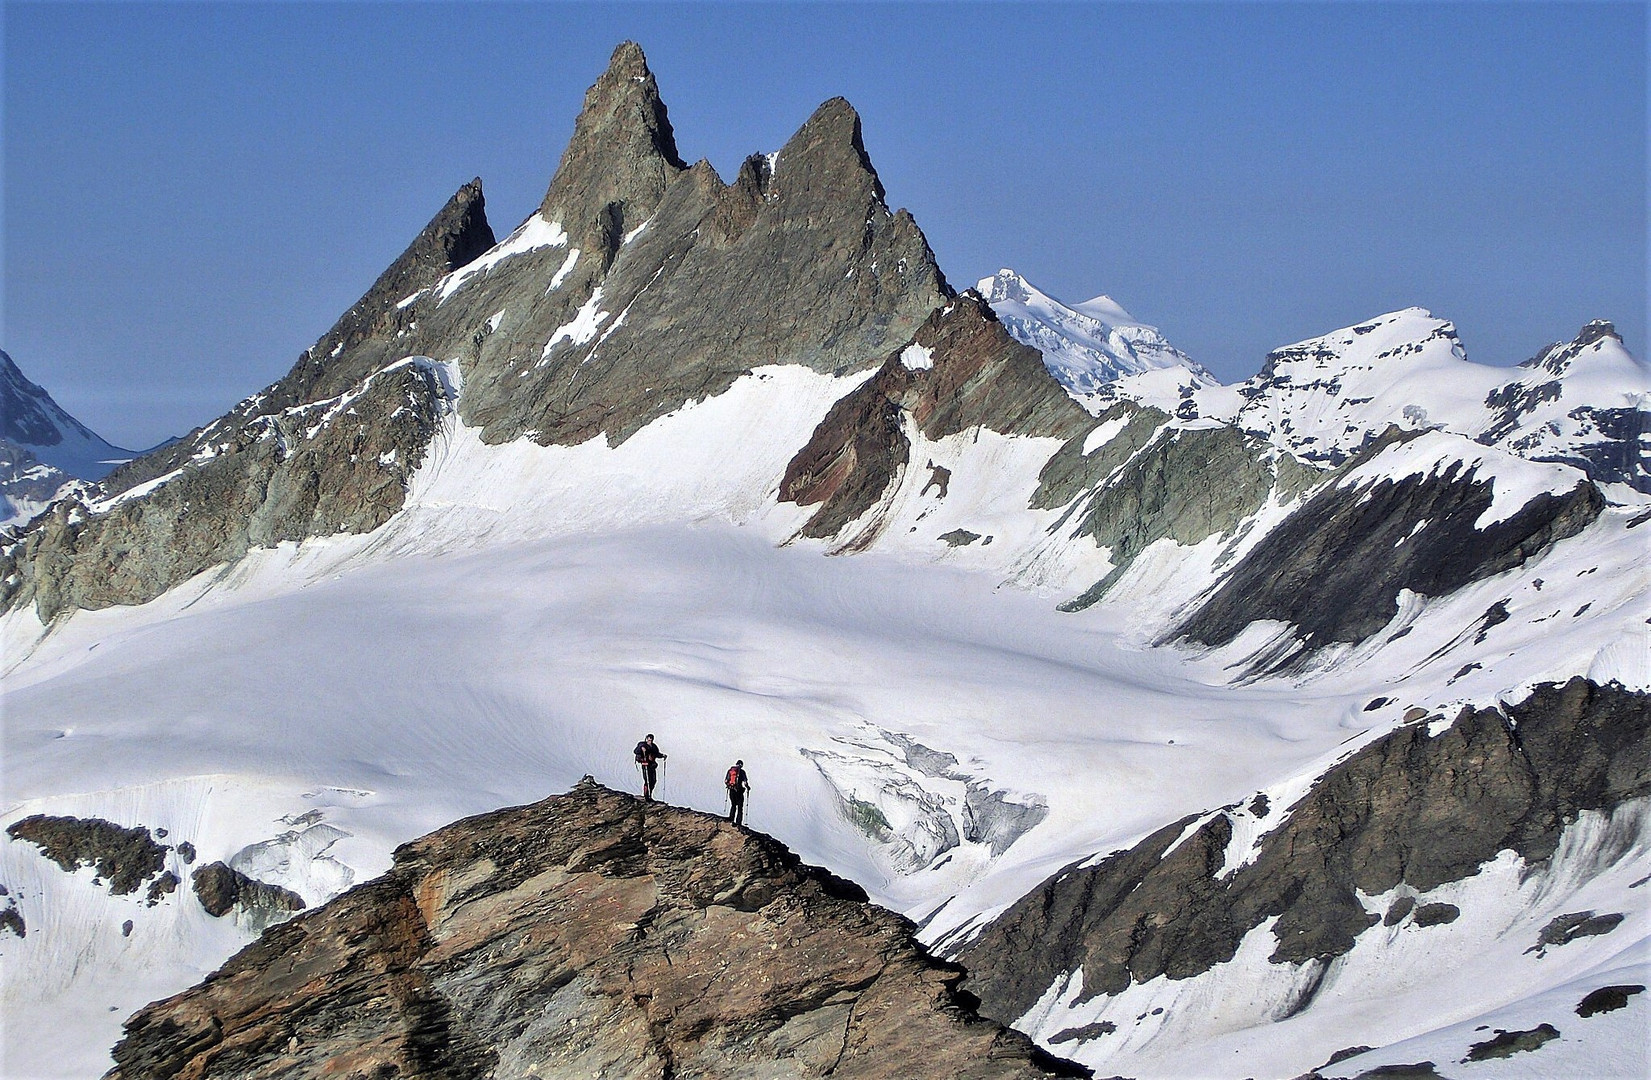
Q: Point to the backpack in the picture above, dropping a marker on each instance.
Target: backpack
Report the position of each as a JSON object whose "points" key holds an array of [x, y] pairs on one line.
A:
{"points": [[733, 779], [642, 752]]}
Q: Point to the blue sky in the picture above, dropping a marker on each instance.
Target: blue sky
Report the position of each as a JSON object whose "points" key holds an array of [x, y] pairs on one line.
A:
{"points": [[193, 193]]}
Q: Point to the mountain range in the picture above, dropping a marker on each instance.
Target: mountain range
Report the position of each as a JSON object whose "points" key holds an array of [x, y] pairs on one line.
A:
{"points": [[1291, 727]]}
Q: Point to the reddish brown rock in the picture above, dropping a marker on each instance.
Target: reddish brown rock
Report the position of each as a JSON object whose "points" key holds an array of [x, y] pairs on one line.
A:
{"points": [[588, 934]]}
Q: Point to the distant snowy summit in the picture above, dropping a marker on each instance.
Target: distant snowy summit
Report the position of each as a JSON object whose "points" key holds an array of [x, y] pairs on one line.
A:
{"points": [[1090, 347], [1584, 402], [42, 448]]}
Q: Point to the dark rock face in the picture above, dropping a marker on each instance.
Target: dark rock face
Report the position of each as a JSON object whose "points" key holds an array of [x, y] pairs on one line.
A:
{"points": [[1508, 1043], [1406, 809], [589, 933], [1607, 999], [798, 261], [221, 888], [973, 374], [125, 858], [1335, 567]]}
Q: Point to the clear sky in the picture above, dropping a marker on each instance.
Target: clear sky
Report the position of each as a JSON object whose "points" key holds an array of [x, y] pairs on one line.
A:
{"points": [[194, 192]]}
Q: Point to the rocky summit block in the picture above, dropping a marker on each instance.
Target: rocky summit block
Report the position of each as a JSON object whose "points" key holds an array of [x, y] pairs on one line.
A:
{"points": [[590, 934]]}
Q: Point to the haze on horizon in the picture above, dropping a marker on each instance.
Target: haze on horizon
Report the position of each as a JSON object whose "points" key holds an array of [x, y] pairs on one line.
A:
{"points": [[194, 193]]}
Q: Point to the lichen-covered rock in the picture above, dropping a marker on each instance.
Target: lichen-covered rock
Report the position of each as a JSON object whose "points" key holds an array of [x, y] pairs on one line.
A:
{"points": [[338, 465], [589, 934], [1187, 486]]}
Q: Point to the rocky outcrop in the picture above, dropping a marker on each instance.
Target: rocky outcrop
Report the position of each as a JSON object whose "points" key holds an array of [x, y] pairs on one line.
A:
{"points": [[338, 465], [125, 858], [587, 934], [961, 370], [1334, 568], [1409, 809], [221, 889], [1187, 486]]}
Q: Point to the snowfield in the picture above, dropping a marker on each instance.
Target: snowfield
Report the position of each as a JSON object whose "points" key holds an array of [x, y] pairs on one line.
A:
{"points": [[533, 611]]}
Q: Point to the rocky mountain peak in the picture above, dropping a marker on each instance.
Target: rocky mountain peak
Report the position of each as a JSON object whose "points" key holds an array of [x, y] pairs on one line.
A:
{"points": [[828, 148], [1556, 358], [587, 934], [36, 426], [622, 156], [457, 235]]}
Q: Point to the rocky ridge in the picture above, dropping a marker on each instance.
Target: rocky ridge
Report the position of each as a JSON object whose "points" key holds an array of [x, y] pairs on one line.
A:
{"points": [[655, 285], [588, 933], [1413, 809], [1335, 568]]}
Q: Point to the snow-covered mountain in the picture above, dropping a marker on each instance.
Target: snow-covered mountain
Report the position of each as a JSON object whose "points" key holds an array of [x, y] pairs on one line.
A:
{"points": [[43, 449], [1262, 654], [1585, 402], [1090, 346]]}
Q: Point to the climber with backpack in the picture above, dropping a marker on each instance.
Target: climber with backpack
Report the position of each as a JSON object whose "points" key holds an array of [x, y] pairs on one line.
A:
{"points": [[738, 784], [648, 757]]}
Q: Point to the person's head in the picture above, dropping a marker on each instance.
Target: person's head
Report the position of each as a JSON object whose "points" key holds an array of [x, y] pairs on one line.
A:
{"points": [[649, 737], [739, 764]]}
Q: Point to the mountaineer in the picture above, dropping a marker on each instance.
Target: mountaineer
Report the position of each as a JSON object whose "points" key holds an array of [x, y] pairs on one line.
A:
{"points": [[648, 757], [738, 784]]}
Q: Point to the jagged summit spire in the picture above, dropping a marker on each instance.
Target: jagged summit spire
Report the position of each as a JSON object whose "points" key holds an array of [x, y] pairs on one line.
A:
{"points": [[622, 156], [831, 137]]}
